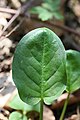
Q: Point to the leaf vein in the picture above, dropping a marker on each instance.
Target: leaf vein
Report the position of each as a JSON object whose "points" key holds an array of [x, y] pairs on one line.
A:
{"points": [[54, 73], [31, 80], [34, 57], [52, 57]]}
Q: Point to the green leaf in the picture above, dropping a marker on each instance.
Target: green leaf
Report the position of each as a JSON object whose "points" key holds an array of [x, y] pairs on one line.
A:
{"points": [[58, 15], [17, 104], [48, 10], [53, 5], [53, 11], [73, 70], [43, 13], [15, 116], [24, 117], [38, 67]]}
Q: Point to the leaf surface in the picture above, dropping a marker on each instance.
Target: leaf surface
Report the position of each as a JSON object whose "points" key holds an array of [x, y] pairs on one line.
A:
{"points": [[53, 5], [73, 70], [43, 13], [15, 116], [48, 10], [17, 104], [39, 67]]}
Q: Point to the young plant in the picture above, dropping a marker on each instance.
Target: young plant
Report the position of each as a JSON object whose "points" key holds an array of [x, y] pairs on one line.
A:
{"points": [[38, 67], [48, 10], [73, 75], [17, 104]]}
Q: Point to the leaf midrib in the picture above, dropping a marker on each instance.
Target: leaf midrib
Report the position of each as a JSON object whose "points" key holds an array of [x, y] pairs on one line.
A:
{"points": [[43, 65]]}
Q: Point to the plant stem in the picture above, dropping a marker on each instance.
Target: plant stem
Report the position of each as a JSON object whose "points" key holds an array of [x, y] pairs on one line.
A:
{"points": [[41, 109], [64, 108]]}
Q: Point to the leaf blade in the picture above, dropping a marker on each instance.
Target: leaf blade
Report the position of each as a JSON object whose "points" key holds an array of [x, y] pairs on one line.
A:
{"points": [[73, 70], [17, 104], [43, 45], [15, 116]]}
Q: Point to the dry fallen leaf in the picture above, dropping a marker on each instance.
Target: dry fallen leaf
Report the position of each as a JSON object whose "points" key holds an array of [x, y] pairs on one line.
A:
{"points": [[75, 6], [74, 117], [47, 114], [77, 10]]}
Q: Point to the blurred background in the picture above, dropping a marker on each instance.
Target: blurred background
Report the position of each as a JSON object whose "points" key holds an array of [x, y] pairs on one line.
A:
{"points": [[17, 17]]}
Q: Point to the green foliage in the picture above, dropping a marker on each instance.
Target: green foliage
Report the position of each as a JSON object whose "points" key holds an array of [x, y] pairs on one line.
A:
{"points": [[39, 67], [42, 71], [73, 70], [48, 10], [18, 104], [73, 75], [16, 116], [43, 14]]}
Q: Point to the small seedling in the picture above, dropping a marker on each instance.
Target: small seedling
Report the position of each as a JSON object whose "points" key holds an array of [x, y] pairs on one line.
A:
{"points": [[22, 109], [48, 10], [73, 75], [38, 67]]}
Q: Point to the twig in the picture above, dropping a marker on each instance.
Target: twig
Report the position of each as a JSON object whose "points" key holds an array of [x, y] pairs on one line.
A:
{"points": [[21, 10], [10, 22], [29, 5], [12, 30], [65, 28], [17, 26], [8, 10]]}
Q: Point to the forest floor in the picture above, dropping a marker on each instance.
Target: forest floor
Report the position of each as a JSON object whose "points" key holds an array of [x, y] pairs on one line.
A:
{"points": [[13, 27]]}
